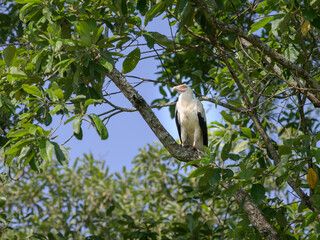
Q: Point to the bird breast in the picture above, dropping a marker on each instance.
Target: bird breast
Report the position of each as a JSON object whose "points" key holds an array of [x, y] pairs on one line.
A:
{"points": [[188, 116]]}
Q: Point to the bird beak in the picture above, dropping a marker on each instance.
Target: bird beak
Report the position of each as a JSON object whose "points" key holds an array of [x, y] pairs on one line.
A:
{"points": [[180, 88]]}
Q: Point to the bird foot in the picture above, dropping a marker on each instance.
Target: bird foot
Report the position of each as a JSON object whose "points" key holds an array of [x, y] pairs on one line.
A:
{"points": [[194, 146], [186, 145], [189, 146]]}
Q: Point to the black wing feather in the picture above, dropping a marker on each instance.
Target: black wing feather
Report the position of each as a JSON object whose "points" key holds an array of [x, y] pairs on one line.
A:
{"points": [[178, 125], [203, 126]]}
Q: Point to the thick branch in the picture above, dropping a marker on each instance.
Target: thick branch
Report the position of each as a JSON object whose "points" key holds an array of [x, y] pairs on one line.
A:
{"points": [[180, 153], [186, 155], [255, 41], [274, 153], [255, 215], [304, 197]]}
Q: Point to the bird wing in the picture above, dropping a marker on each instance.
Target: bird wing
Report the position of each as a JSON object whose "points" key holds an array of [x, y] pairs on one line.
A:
{"points": [[178, 124], [202, 122]]}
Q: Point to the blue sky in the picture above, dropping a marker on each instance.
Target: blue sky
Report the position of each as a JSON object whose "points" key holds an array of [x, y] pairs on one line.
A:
{"points": [[127, 131]]}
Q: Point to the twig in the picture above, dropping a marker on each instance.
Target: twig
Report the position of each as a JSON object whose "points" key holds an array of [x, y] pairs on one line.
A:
{"points": [[12, 44], [57, 126], [68, 139]]}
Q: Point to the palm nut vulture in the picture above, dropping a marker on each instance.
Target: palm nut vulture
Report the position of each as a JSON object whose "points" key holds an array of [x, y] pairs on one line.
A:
{"points": [[190, 119]]}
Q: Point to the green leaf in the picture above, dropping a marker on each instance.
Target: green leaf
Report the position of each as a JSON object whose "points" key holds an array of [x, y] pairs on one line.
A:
{"points": [[9, 54], [191, 222], [57, 45], [34, 164], [122, 7], [48, 119], [256, 26], [62, 153], [131, 61], [191, 163], [28, 9], [282, 166], [18, 146], [316, 154], [241, 147], [97, 34], [227, 117], [227, 173], [27, 1], [29, 157], [31, 89], [225, 151], [257, 193], [154, 11], [215, 176], [246, 131], [279, 25], [78, 97], [59, 93], [316, 22], [99, 126], [76, 125], [18, 133], [284, 150], [309, 13], [83, 30], [291, 53], [281, 219], [69, 120], [56, 109], [23, 154], [42, 150], [247, 174], [17, 72], [219, 133], [141, 6], [219, 4], [63, 65], [107, 61], [149, 39], [161, 39], [270, 212], [199, 171], [234, 157], [2, 201], [92, 101], [227, 90], [79, 135], [46, 149]]}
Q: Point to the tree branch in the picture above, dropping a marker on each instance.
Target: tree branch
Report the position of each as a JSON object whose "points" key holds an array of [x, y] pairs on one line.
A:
{"points": [[180, 153], [297, 70], [187, 154], [256, 42], [255, 216], [274, 153]]}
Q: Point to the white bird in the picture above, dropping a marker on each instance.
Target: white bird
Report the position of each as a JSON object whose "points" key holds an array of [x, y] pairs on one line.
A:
{"points": [[190, 119]]}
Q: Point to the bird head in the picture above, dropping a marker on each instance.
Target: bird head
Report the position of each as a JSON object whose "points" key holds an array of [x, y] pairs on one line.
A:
{"points": [[181, 88]]}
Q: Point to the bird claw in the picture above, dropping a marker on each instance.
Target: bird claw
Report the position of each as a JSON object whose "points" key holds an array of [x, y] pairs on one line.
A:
{"points": [[189, 146], [185, 145], [194, 147]]}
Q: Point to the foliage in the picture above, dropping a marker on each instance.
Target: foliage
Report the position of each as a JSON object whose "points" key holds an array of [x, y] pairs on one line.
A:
{"points": [[155, 200], [257, 59]]}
